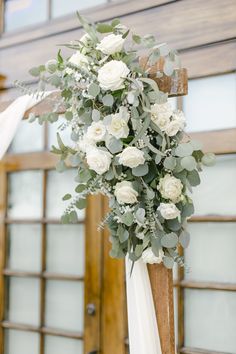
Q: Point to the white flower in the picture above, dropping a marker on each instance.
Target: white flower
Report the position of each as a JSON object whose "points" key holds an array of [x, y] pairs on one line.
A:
{"points": [[96, 131], [113, 43], [131, 157], [169, 211], [85, 39], [111, 75], [85, 144], [125, 193], [77, 59], [160, 115], [149, 257], [117, 126], [177, 123], [170, 187], [98, 160]]}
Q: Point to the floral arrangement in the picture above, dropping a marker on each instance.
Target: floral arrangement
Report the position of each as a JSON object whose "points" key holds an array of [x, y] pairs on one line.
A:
{"points": [[127, 141]]}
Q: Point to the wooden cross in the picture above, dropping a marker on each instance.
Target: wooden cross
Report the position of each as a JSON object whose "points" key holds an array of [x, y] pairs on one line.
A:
{"points": [[161, 277]]}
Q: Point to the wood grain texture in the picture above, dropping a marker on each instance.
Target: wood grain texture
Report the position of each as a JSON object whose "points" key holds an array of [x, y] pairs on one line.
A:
{"points": [[162, 287], [199, 351], [93, 266], [187, 284], [30, 161], [113, 325]]}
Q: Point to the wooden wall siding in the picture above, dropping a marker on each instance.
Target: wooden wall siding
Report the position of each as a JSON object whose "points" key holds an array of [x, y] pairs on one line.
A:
{"points": [[204, 22]]}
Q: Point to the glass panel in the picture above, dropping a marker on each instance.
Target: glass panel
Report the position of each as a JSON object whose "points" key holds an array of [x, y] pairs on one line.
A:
{"points": [[24, 245], [211, 253], [176, 314], [65, 249], [62, 345], [65, 7], [211, 103], [25, 195], [65, 133], [22, 13], [210, 320], [217, 195], [24, 300], [65, 305], [29, 137], [20, 342], [60, 184]]}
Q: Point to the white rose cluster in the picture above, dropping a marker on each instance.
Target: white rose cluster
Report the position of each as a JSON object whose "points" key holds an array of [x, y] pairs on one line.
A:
{"points": [[111, 76], [125, 193], [98, 160], [169, 211], [111, 44], [169, 121], [131, 157], [117, 124]]}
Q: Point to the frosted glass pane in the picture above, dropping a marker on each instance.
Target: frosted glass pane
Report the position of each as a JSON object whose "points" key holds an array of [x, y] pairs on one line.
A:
{"points": [[24, 245], [29, 137], [65, 249], [65, 133], [173, 101], [65, 7], [25, 194], [210, 320], [60, 184], [211, 253], [217, 192], [211, 103], [65, 305], [62, 345], [20, 342], [24, 300]]}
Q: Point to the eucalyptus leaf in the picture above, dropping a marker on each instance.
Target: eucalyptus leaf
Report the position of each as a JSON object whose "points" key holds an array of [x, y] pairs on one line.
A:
{"points": [[108, 100], [170, 163], [209, 159], [184, 239], [114, 145], [73, 217], [93, 89], [189, 163], [194, 178], [61, 166], [184, 149], [169, 240], [95, 115], [140, 215], [127, 218], [67, 197], [168, 262], [140, 170], [81, 204]]}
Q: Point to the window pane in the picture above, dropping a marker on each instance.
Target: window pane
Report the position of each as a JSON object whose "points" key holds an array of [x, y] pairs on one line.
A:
{"points": [[29, 138], [25, 195], [24, 245], [210, 320], [65, 305], [65, 249], [217, 195], [65, 133], [24, 300], [22, 13], [65, 7], [20, 342], [211, 103], [60, 184], [62, 345], [214, 244]]}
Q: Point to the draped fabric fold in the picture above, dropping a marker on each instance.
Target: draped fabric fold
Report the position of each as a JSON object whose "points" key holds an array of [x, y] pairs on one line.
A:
{"points": [[11, 117], [143, 330]]}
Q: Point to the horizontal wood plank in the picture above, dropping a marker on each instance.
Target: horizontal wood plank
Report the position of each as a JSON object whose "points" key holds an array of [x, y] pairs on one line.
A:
{"points": [[199, 351], [45, 275], [204, 23], [213, 218], [205, 285], [29, 161]]}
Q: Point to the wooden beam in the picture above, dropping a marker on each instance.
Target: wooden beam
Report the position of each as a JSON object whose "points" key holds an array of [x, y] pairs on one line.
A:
{"points": [[199, 351], [205, 285]]}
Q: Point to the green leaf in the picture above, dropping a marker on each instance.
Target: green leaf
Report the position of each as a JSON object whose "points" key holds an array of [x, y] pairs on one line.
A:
{"points": [[156, 245], [168, 68], [34, 72], [104, 28], [189, 163], [209, 159], [84, 176], [140, 215], [68, 115], [197, 145], [114, 145], [188, 210], [140, 170], [170, 163], [73, 217], [61, 166], [137, 39], [93, 89], [122, 233], [173, 225], [59, 57], [95, 115], [168, 262], [115, 22], [194, 178], [80, 188], [158, 158], [81, 204], [67, 197], [184, 149], [150, 194], [138, 250], [169, 240], [127, 219], [108, 100], [184, 239], [65, 219]]}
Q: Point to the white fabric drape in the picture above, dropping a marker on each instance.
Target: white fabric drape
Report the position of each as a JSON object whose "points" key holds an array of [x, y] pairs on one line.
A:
{"points": [[143, 330], [11, 117]]}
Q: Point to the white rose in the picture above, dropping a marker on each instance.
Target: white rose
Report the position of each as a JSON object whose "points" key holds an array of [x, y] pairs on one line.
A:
{"points": [[117, 125], [111, 75], [85, 144], [149, 257], [131, 157], [98, 160], [170, 187], [125, 193], [160, 114], [169, 211], [96, 131], [177, 123], [113, 43], [77, 59]]}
